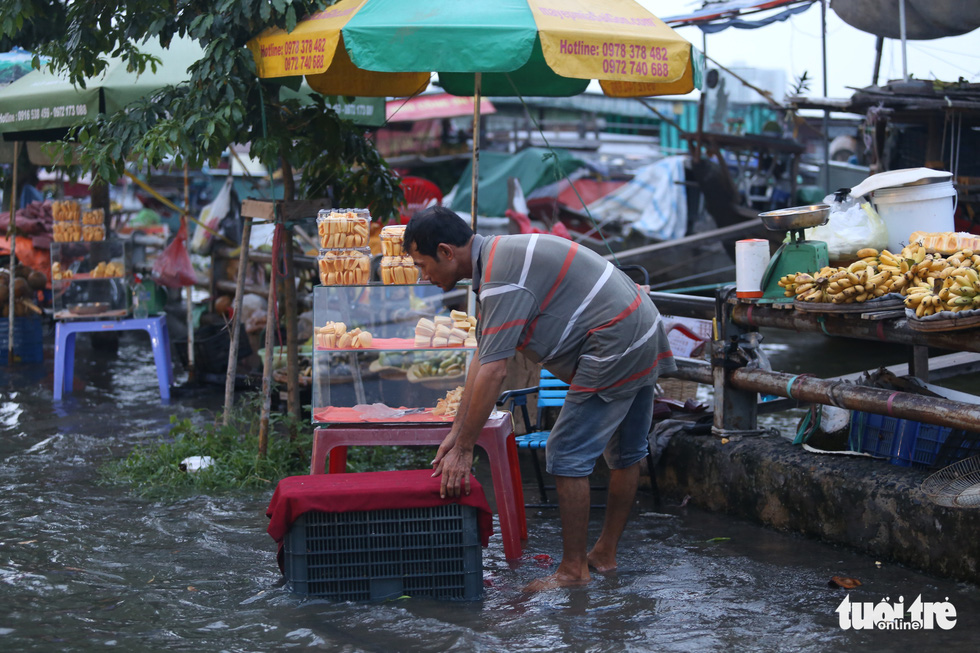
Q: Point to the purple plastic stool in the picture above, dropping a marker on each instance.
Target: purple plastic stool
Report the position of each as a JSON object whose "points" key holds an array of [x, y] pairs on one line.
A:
{"points": [[64, 349]]}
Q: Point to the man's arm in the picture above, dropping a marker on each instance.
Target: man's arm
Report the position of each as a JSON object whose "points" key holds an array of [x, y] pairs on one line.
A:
{"points": [[464, 402], [480, 394]]}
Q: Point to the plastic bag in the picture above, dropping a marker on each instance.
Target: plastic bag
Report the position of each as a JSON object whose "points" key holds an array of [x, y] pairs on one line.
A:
{"points": [[173, 267], [852, 226], [211, 216]]}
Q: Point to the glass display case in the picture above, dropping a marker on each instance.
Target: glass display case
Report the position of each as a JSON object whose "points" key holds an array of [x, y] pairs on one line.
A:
{"points": [[389, 353], [90, 279]]}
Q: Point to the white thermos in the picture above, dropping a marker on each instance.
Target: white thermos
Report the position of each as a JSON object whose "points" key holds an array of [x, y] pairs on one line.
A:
{"points": [[751, 260]]}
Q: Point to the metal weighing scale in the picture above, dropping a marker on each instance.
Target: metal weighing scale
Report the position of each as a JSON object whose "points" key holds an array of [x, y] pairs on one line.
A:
{"points": [[798, 255]]}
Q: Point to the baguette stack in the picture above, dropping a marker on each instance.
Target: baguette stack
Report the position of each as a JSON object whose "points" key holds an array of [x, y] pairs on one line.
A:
{"points": [[107, 270], [67, 225], [344, 267], [334, 335], [343, 228], [93, 225], [392, 240], [398, 270], [455, 330]]}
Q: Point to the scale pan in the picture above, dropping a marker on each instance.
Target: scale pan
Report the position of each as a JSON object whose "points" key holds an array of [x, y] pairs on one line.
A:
{"points": [[797, 217]]}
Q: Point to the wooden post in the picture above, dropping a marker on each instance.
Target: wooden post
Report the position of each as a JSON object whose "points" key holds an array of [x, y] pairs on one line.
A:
{"points": [[292, 344], [735, 409], [189, 289], [289, 298], [236, 321], [271, 318]]}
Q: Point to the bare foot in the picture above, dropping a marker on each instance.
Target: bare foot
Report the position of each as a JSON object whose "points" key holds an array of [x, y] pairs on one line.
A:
{"points": [[554, 581], [602, 564]]}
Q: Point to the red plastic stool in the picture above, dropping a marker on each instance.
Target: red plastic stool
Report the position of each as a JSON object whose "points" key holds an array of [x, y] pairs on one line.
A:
{"points": [[420, 194], [496, 439]]}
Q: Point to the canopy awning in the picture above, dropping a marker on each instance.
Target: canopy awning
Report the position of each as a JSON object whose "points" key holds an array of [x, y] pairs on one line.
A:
{"points": [[434, 107]]}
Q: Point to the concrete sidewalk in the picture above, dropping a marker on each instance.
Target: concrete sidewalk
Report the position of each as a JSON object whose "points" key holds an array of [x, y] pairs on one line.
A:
{"points": [[867, 504]]}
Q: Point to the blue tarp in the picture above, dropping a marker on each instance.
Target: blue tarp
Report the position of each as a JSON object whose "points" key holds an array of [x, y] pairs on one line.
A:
{"points": [[739, 23], [15, 64]]}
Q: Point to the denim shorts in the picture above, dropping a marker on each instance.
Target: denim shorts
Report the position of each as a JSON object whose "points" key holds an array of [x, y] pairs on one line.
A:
{"points": [[617, 429]]}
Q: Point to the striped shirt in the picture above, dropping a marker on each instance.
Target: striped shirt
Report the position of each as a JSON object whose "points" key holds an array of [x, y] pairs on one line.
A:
{"points": [[566, 307]]}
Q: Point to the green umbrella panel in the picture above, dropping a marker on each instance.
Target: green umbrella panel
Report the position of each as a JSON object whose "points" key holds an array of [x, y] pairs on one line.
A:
{"points": [[40, 103]]}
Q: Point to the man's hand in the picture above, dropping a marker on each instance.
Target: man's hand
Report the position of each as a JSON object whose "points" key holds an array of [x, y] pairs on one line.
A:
{"points": [[444, 448], [455, 468]]}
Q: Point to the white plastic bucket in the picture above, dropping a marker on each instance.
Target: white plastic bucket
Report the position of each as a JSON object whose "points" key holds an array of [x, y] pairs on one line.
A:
{"points": [[904, 209], [751, 260]]}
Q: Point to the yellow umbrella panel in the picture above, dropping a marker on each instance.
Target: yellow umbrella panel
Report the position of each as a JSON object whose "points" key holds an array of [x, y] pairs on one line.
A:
{"points": [[521, 47]]}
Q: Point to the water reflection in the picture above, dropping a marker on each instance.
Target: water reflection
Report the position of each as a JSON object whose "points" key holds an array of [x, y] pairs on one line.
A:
{"points": [[85, 567]]}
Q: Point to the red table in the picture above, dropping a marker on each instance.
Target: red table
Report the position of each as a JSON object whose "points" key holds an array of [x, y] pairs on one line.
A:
{"points": [[496, 439]]}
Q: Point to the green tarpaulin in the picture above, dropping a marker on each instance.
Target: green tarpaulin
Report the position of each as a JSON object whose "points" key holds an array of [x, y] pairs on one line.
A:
{"points": [[534, 167]]}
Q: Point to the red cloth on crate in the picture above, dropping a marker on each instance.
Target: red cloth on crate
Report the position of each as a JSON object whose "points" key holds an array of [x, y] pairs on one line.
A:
{"points": [[414, 488]]}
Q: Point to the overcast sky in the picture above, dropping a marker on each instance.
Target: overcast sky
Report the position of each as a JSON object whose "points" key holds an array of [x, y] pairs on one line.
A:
{"points": [[794, 45]]}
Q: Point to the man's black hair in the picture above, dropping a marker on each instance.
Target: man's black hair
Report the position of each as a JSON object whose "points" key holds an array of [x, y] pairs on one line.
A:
{"points": [[434, 225]]}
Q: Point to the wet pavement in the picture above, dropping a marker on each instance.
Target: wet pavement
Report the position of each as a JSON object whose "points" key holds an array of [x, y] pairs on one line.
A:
{"points": [[89, 567]]}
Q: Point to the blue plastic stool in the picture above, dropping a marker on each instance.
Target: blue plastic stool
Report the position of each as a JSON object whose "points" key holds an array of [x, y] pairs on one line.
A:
{"points": [[64, 349]]}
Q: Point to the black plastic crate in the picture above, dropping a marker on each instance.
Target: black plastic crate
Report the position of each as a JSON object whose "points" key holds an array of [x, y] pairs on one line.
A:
{"points": [[28, 339], [382, 554]]}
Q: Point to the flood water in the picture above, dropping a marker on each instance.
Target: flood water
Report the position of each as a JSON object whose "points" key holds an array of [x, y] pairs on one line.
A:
{"points": [[86, 567]]}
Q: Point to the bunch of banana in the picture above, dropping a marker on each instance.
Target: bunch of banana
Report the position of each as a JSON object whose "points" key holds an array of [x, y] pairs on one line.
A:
{"points": [[788, 284], [914, 252], [809, 288], [965, 258], [869, 255], [961, 290], [858, 282], [899, 268], [924, 299], [932, 267]]}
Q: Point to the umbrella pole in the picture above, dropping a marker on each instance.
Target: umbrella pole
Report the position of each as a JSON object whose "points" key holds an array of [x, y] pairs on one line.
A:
{"points": [[12, 237], [826, 112], [474, 182]]}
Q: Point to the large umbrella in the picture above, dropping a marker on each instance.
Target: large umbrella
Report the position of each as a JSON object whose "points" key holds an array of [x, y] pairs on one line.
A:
{"points": [[41, 105], [496, 47]]}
